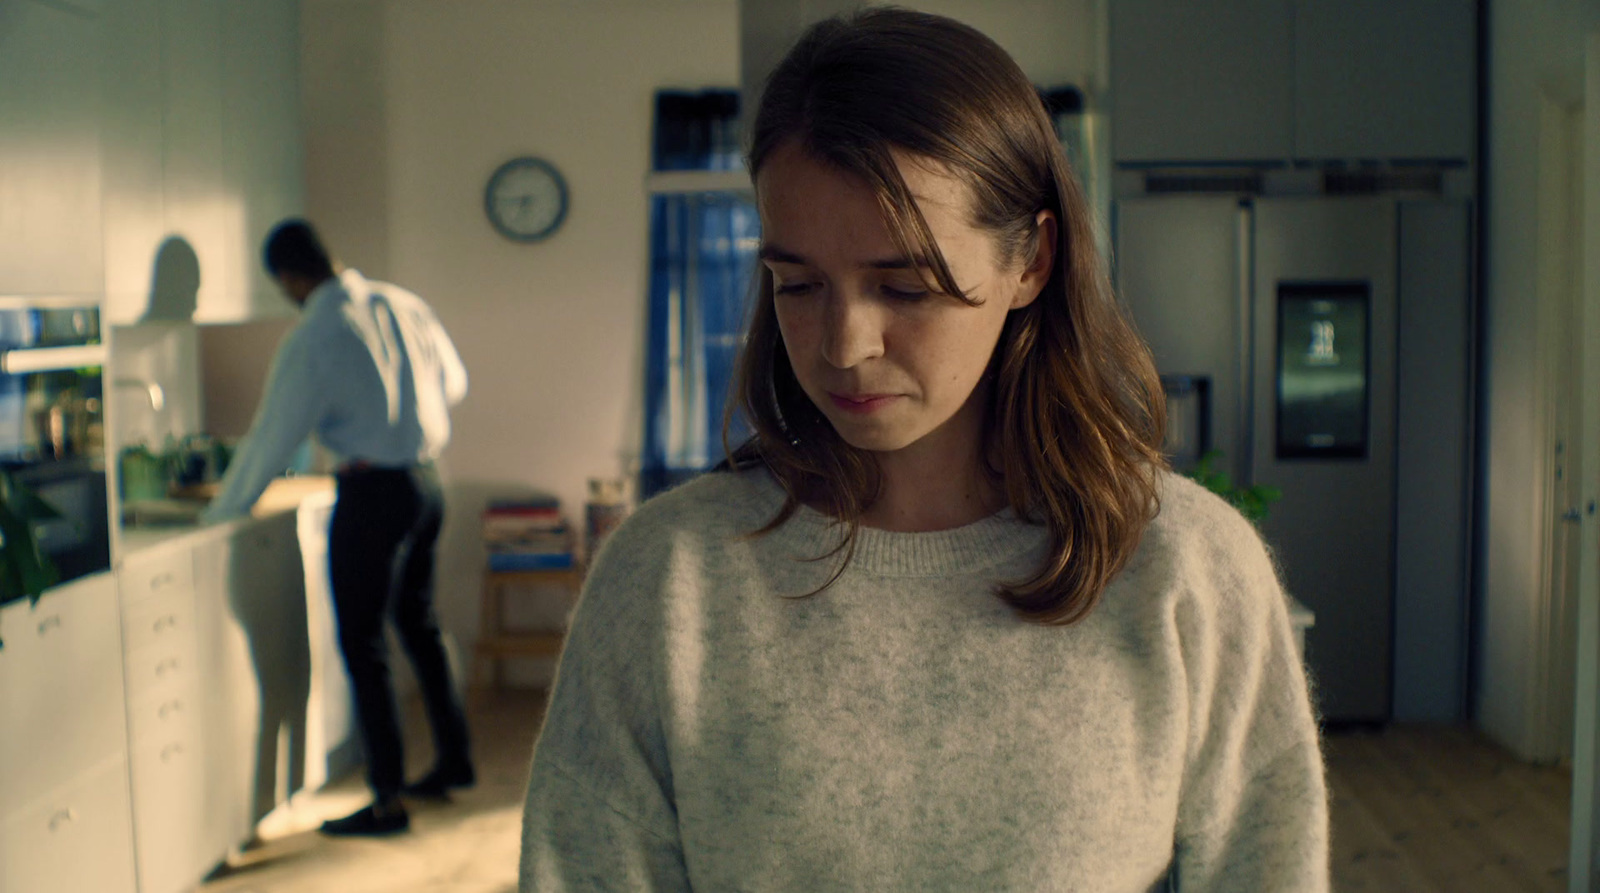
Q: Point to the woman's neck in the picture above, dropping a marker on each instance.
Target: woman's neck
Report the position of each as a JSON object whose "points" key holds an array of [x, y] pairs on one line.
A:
{"points": [[908, 512], [921, 493]]}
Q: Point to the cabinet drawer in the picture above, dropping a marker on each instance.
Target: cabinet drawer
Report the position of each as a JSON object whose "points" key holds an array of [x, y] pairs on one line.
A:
{"points": [[165, 665], [61, 697], [148, 578], [158, 619], [78, 837], [167, 813], [168, 710]]}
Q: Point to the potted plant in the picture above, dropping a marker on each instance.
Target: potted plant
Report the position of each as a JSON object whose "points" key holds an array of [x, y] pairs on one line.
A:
{"points": [[24, 568], [1252, 502]]}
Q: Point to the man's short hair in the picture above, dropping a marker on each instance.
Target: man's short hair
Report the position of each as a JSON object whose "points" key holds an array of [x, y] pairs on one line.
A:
{"points": [[293, 247]]}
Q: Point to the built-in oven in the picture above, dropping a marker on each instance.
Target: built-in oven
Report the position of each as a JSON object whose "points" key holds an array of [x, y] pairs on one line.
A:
{"points": [[52, 430]]}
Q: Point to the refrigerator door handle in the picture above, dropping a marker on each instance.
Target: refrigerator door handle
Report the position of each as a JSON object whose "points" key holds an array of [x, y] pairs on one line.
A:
{"points": [[1244, 267]]}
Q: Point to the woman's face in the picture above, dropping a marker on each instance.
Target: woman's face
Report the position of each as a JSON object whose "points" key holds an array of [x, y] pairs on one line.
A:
{"points": [[892, 363]]}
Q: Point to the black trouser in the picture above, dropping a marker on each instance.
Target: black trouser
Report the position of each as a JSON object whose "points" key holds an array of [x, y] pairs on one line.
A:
{"points": [[380, 557]]}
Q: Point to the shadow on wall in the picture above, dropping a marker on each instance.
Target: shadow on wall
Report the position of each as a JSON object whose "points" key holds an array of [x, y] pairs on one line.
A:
{"points": [[175, 281]]}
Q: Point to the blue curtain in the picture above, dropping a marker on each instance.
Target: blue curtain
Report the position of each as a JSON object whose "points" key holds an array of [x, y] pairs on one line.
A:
{"points": [[703, 253], [702, 257]]}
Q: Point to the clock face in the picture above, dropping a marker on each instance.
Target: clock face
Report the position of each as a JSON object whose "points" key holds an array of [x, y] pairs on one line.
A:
{"points": [[526, 199]]}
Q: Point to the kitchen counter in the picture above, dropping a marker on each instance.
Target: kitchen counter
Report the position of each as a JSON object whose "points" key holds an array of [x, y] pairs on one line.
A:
{"points": [[282, 495]]}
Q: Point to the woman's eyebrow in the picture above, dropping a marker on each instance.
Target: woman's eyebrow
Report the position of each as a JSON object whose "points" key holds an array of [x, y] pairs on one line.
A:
{"points": [[774, 254]]}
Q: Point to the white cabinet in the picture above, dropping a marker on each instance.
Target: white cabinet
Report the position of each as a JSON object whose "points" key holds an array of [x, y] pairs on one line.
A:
{"points": [[1384, 79], [232, 699], [49, 151], [75, 838], [201, 206], [133, 206], [1273, 80], [216, 636], [84, 7], [1201, 81], [63, 744], [165, 720], [203, 134], [266, 594], [332, 746], [61, 684], [261, 145]]}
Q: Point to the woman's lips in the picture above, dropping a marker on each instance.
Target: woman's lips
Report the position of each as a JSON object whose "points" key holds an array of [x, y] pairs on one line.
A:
{"points": [[861, 403]]}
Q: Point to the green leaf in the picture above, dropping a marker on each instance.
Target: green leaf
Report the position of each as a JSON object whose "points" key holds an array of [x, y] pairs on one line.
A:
{"points": [[24, 568], [1252, 502]]}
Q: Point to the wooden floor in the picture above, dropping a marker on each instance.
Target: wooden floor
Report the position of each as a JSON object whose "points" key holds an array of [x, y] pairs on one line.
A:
{"points": [[469, 845], [1439, 808], [1415, 809]]}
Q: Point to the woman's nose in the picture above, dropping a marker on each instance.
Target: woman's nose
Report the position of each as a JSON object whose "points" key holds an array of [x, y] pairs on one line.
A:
{"points": [[852, 331]]}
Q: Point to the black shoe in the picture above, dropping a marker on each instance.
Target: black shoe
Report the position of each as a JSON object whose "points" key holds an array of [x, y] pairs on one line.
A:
{"points": [[436, 785], [371, 821]]}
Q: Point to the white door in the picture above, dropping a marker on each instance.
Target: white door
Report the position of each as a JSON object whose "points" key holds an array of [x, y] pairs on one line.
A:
{"points": [[1560, 328], [1581, 868]]}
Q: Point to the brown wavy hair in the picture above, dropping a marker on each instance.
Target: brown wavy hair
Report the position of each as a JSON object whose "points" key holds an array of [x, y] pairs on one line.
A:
{"points": [[1077, 415]]}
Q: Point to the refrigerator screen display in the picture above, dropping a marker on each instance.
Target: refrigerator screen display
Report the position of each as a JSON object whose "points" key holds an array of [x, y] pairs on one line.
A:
{"points": [[1323, 370]]}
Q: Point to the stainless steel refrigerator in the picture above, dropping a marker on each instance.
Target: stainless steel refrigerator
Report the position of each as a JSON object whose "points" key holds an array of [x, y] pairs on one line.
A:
{"points": [[1289, 311]]}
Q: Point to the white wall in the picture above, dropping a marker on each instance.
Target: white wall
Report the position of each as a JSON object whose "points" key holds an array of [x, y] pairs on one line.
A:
{"points": [[410, 105], [1535, 45], [164, 354]]}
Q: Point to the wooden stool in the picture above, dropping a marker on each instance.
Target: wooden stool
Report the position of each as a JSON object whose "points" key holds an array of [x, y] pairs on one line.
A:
{"points": [[495, 642]]}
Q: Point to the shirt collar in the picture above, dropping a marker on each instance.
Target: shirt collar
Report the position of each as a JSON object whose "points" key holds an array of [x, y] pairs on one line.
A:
{"points": [[328, 292], [348, 285]]}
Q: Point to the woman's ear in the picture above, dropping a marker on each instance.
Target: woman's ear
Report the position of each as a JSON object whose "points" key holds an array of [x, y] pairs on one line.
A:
{"points": [[1037, 273]]}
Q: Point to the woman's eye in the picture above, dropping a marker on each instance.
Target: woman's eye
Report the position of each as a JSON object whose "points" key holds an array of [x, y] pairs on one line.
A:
{"points": [[792, 288], [905, 294]]}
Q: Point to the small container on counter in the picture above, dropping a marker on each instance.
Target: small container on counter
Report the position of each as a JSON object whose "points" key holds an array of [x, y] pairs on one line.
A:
{"points": [[605, 510]]}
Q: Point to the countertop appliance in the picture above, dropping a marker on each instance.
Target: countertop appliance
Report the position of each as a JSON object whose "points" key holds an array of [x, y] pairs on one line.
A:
{"points": [[52, 424]]}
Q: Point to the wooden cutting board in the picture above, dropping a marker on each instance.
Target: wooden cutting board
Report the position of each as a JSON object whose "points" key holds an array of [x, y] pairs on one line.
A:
{"points": [[286, 494], [282, 495]]}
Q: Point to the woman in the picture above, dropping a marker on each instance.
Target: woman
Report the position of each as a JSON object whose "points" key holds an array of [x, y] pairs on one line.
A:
{"points": [[946, 622]]}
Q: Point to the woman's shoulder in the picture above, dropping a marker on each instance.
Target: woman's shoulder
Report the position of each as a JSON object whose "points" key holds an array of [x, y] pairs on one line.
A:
{"points": [[717, 505], [1200, 541], [714, 500], [1192, 517]]}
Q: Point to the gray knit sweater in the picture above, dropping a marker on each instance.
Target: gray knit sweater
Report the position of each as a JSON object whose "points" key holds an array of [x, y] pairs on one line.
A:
{"points": [[712, 729]]}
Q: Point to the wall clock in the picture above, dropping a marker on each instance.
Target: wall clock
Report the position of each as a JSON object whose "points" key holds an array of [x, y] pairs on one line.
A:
{"points": [[526, 199]]}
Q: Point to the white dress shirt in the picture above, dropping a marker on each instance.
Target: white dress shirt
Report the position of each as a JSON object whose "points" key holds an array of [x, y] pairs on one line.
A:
{"points": [[369, 370]]}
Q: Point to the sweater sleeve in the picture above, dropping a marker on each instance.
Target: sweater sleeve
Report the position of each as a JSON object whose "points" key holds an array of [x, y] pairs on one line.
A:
{"points": [[600, 813], [1254, 807]]}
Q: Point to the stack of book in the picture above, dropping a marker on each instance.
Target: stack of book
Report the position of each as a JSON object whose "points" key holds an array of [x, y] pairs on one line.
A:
{"points": [[527, 534]]}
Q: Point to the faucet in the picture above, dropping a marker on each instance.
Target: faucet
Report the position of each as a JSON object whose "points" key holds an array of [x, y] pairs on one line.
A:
{"points": [[152, 390]]}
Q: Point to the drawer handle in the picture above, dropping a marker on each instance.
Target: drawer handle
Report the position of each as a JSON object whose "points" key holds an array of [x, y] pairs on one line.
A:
{"points": [[49, 623], [169, 665], [172, 706], [167, 622], [170, 751], [63, 817], [161, 580]]}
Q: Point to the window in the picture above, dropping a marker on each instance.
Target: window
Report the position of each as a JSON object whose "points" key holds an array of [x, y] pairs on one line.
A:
{"points": [[704, 234]]}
